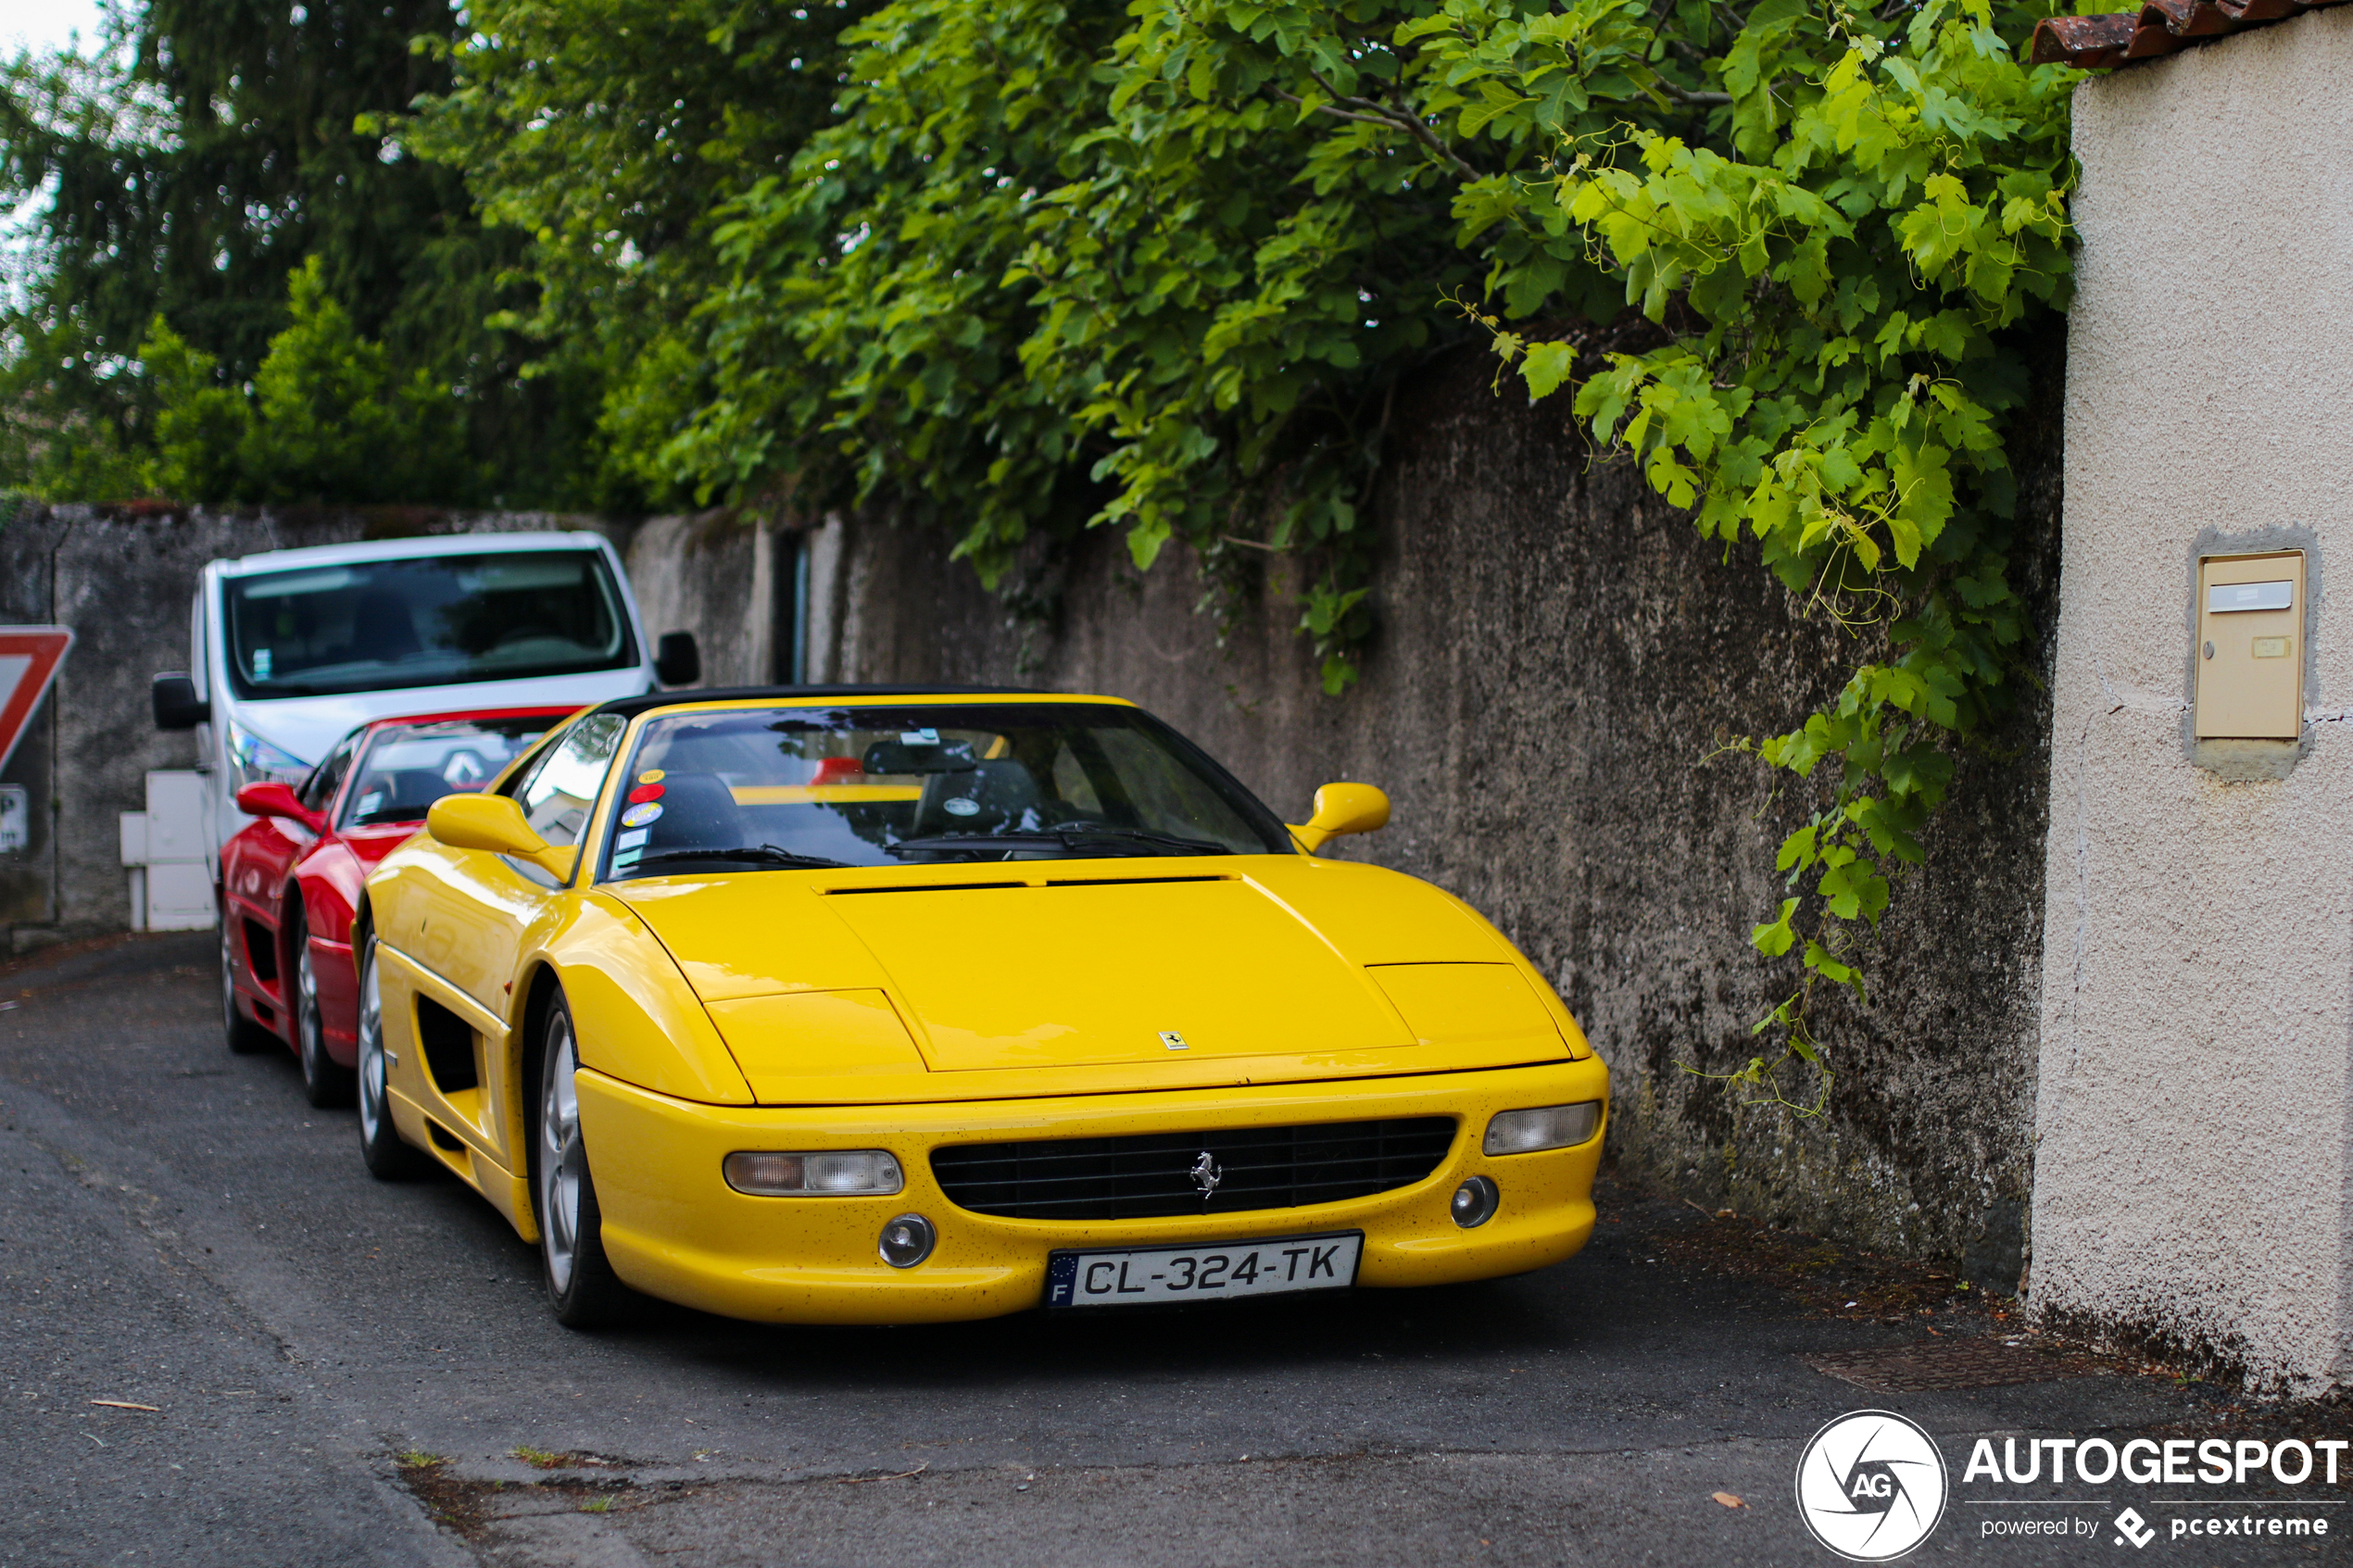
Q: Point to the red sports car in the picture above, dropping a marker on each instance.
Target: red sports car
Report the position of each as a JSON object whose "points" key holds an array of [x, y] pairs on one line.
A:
{"points": [[290, 880]]}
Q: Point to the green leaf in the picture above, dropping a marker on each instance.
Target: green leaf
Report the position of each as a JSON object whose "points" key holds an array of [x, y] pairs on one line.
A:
{"points": [[1547, 367], [1774, 937]]}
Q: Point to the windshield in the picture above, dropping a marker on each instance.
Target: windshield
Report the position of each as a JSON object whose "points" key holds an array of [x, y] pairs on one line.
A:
{"points": [[382, 625], [408, 767], [789, 787]]}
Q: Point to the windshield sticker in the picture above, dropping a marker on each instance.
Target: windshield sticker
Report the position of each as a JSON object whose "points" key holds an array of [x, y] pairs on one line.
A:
{"points": [[961, 805], [644, 793], [631, 839], [370, 801], [652, 775], [638, 816], [919, 737], [262, 659]]}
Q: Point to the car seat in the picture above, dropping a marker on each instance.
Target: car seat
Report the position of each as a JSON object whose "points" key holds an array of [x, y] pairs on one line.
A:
{"points": [[408, 794], [698, 811], [990, 797]]}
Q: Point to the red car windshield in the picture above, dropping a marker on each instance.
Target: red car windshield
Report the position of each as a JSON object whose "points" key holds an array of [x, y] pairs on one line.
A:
{"points": [[405, 767]]}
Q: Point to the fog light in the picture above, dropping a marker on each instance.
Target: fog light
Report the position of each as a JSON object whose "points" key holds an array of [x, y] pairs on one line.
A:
{"points": [[831, 1172], [1547, 1126], [1475, 1202], [907, 1241]]}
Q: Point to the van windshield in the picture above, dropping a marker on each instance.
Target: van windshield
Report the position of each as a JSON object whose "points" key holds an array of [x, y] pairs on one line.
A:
{"points": [[383, 625], [780, 788]]}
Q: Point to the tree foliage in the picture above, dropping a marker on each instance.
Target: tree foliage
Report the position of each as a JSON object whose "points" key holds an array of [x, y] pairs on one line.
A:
{"points": [[190, 167], [610, 133], [1161, 269], [330, 416]]}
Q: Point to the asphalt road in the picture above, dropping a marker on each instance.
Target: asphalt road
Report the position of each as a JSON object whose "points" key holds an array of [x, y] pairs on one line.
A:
{"points": [[343, 1371]]}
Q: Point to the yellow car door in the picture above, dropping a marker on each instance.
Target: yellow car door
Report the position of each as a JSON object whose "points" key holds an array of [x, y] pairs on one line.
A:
{"points": [[469, 930]]}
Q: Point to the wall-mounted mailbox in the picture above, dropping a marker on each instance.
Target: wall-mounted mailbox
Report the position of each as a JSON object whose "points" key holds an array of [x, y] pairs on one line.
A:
{"points": [[2251, 646]]}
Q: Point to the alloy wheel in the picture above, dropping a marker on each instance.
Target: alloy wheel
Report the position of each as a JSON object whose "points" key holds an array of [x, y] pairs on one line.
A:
{"points": [[562, 1159], [371, 1048], [325, 1082], [229, 1019]]}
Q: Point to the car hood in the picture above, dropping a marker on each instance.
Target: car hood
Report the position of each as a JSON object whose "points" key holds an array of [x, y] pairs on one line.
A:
{"points": [[1197, 970]]}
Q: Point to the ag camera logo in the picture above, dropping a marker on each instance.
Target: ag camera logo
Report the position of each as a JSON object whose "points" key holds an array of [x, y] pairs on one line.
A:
{"points": [[1871, 1485]]}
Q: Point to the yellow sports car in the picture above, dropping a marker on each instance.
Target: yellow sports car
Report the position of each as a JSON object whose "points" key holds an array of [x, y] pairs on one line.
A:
{"points": [[850, 1005]]}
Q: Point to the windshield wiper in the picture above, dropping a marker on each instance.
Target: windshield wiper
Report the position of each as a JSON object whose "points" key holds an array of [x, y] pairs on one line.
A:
{"points": [[762, 854], [1070, 831], [1066, 836]]}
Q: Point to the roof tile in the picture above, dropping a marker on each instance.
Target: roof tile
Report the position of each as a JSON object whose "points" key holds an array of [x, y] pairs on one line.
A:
{"points": [[2160, 27]]}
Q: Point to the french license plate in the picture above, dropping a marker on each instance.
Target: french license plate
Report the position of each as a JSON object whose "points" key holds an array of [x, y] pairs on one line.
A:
{"points": [[1211, 1272]]}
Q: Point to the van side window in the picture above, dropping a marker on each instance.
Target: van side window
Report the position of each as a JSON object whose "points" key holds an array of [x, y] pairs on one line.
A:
{"points": [[562, 786]]}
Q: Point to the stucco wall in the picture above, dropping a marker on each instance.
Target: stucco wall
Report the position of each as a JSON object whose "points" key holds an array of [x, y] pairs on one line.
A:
{"points": [[2191, 1116], [1558, 653]]}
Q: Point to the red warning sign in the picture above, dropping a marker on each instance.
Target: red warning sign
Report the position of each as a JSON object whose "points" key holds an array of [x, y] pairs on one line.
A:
{"points": [[29, 660]]}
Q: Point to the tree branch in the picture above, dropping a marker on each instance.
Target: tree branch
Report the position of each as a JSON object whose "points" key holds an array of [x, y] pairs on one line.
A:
{"points": [[1336, 114], [1394, 117]]}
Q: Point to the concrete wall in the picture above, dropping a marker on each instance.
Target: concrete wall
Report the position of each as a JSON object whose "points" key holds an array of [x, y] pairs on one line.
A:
{"points": [[2191, 1119], [1559, 654], [725, 579], [123, 578]]}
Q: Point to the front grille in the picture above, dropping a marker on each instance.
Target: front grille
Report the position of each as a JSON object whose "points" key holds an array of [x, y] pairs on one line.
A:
{"points": [[1150, 1176]]}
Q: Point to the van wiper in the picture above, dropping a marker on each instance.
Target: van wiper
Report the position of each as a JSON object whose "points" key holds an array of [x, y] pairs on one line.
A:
{"points": [[762, 854]]}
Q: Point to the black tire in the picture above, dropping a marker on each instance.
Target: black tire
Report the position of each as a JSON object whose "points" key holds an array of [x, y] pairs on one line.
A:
{"points": [[325, 1082], [388, 1158], [582, 1288], [243, 1036]]}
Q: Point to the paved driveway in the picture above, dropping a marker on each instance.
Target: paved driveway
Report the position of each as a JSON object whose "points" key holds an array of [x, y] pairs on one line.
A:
{"points": [[348, 1373]]}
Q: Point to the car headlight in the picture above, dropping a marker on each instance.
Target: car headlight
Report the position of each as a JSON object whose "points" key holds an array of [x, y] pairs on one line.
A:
{"points": [[833, 1173], [1547, 1126], [255, 761]]}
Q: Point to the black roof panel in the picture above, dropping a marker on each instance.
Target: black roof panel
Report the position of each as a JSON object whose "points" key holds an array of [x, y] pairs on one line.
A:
{"points": [[630, 706]]}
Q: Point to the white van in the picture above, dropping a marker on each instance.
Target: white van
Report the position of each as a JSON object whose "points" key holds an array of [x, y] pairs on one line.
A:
{"points": [[291, 650]]}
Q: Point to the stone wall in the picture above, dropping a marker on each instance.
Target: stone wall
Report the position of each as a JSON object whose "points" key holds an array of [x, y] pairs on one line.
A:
{"points": [[727, 579], [2195, 1113], [1560, 657]]}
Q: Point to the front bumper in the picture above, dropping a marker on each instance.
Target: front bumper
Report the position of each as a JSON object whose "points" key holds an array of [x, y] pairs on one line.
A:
{"points": [[675, 1229]]}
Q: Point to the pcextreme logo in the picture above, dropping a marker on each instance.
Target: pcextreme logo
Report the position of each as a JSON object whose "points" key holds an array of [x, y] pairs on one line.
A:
{"points": [[1871, 1485]]}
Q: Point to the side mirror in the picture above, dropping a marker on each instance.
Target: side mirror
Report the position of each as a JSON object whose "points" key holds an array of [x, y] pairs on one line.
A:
{"points": [[1342, 807], [496, 823], [176, 704], [271, 798], [677, 662], [481, 822]]}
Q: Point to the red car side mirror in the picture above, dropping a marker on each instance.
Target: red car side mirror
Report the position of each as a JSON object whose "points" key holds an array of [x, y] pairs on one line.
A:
{"points": [[271, 798]]}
